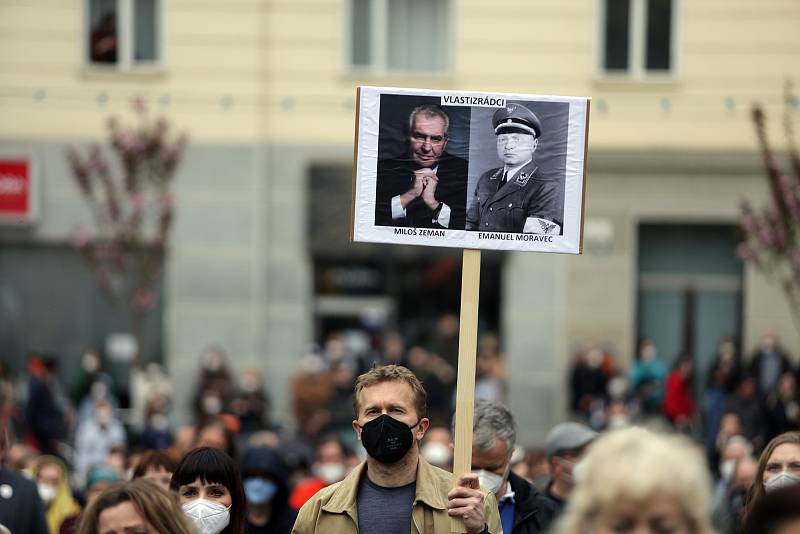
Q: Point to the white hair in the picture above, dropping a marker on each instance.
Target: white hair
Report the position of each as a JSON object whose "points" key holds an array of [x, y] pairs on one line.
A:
{"points": [[636, 465]]}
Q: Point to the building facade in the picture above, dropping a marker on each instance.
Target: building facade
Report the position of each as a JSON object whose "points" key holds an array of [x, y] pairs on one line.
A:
{"points": [[266, 90]]}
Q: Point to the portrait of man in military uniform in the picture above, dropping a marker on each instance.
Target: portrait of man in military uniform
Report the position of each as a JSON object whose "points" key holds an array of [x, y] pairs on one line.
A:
{"points": [[519, 196], [426, 187]]}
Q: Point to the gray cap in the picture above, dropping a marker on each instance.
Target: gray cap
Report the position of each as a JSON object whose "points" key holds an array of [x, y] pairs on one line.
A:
{"points": [[516, 117], [567, 436]]}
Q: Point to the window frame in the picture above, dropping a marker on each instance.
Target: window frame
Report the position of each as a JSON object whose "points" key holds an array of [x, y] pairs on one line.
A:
{"points": [[637, 44], [125, 28], [379, 43]]}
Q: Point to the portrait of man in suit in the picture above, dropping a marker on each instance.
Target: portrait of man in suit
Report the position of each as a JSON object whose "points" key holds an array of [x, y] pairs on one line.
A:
{"points": [[426, 187]]}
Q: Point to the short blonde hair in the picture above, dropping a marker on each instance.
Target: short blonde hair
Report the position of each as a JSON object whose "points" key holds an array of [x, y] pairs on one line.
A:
{"points": [[637, 465], [392, 373]]}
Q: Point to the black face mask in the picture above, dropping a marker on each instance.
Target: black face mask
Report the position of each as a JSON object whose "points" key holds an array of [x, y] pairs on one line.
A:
{"points": [[386, 439]]}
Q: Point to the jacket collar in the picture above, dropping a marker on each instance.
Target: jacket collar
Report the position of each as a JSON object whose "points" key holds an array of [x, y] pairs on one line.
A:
{"points": [[512, 186], [343, 498], [429, 492]]}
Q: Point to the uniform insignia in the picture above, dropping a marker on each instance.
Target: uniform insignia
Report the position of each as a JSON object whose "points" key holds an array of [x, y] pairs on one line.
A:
{"points": [[546, 226], [498, 173], [522, 178]]}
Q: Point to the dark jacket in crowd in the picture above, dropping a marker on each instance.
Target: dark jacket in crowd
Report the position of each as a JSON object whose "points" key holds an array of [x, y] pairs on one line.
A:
{"points": [[21, 510], [587, 383], [45, 418], [534, 512], [266, 462], [758, 365], [782, 416]]}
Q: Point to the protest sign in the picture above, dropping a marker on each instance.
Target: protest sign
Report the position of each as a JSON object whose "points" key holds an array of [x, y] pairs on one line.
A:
{"points": [[470, 170], [475, 171]]}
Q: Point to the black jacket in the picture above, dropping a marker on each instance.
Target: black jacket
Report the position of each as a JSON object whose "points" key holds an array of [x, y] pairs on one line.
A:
{"points": [[21, 510], [396, 176], [529, 193], [533, 511]]}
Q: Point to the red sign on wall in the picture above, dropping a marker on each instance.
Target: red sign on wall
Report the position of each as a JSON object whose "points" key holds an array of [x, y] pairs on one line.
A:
{"points": [[16, 191]]}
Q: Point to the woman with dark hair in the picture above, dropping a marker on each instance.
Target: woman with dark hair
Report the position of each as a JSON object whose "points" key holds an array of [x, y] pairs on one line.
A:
{"points": [[210, 491], [138, 506], [778, 467]]}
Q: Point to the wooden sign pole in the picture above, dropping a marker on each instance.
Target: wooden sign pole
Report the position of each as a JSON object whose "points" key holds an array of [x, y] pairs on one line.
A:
{"points": [[465, 385]]}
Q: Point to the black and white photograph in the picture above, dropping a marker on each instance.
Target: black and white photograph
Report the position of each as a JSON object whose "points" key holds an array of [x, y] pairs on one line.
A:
{"points": [[470, 170], [422, 163], [517, 166]]}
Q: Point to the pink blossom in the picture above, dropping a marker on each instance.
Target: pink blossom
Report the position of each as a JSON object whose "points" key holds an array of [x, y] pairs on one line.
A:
{"points": [[81, 173], [137, 203], [790, 196], [170, 154], [161, 126], [113, 208], [749, 223], [123, 139], [780, 237], [80, 238], [143, 300], [766, 236], [771, 163], [744, 252]]}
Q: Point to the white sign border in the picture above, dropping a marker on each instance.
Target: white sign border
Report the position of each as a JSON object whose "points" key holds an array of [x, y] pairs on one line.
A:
{"points": [[365, 181]]}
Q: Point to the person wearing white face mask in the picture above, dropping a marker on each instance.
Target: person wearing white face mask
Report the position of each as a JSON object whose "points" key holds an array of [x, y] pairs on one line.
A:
{"points": [[778, 467], [51, 480], [330, 466], [523, 510], [436, 448], [210, 491]]}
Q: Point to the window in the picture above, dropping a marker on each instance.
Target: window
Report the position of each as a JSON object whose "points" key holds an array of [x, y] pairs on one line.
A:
{"points": [[398, 34], [124, 33], [637, 37]]}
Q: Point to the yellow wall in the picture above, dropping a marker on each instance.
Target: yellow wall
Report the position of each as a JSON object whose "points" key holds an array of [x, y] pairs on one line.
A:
{"points": [[280, 63]]}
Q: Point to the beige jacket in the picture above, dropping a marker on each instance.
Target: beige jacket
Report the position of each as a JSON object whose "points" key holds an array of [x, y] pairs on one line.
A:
{"points": [[334, 509]]}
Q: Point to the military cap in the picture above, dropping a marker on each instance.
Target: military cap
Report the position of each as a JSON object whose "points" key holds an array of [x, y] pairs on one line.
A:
{"points": [[516, 117]]}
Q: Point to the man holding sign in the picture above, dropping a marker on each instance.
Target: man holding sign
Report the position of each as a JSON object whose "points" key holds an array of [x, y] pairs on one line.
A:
{"points": [[427, 188], [396, 491], [517, 197]]}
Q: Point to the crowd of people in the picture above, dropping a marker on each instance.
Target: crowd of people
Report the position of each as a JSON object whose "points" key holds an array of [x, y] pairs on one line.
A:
{"points": [[647, 448]]}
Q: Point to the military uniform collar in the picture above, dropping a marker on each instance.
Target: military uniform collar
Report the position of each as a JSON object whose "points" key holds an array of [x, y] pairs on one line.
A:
{"points": [[513, 171]]}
